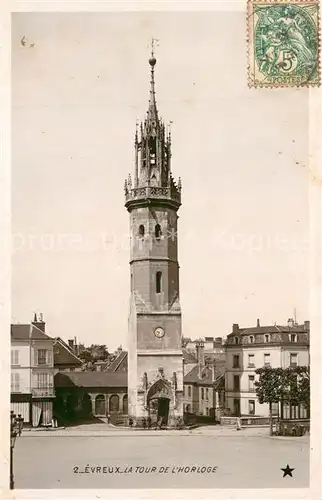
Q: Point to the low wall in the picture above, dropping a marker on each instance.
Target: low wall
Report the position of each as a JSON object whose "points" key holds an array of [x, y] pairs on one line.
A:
{"points": [[246, 421]]}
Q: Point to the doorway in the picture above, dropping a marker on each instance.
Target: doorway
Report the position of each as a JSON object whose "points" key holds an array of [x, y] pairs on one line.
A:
{"points": [[237, 407], [163, 410]]}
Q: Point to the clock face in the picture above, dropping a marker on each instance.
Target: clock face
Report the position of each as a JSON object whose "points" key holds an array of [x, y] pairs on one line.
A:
{"points": [[159, 332]]}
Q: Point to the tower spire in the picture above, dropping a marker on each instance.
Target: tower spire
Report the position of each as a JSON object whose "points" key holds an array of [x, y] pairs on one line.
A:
{"points": [[152, 111]]}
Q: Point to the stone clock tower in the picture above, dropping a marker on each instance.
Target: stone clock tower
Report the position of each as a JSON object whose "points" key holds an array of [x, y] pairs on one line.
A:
{"points": [[155, 365]]}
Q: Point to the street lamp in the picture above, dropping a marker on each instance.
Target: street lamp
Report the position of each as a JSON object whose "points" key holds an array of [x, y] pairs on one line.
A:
{"points": [[16, 424]]}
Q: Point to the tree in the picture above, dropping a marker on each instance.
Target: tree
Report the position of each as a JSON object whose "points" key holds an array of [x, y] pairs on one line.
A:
{"points": [[96, 352], [298, 386], [270, 388], [283, 384]]}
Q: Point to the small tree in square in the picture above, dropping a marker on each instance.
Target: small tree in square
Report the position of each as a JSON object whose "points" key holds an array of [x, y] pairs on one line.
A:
{"points": [[283, 384], [270, 388]]}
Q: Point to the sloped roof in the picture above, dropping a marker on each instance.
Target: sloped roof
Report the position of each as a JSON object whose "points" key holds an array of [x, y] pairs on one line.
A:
{"points": [[27, 332], [64, 356], [117, 362], [91, 379], [270, 329], [189, 357], [206, 375]]}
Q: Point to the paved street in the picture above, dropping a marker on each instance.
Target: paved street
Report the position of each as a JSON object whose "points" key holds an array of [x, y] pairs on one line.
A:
{"points": [[242, 461]]}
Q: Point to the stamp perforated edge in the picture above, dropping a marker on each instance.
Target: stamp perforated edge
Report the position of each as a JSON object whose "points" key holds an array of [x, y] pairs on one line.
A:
{"points": [[250, 76]]}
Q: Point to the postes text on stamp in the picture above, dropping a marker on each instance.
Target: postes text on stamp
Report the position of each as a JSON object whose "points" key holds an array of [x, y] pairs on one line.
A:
{"points": [[283, 43]]}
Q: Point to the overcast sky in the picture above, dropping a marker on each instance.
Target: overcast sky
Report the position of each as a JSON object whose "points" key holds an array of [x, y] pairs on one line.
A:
{"points": [[80, 81]]}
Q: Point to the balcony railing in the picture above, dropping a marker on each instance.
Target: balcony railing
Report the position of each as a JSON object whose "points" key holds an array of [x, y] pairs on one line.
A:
{"points": [[43, 392], [153, 192]]}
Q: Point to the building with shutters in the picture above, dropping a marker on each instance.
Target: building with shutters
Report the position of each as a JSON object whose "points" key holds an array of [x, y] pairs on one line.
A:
{"points": [[247, 349], [32, 373]]}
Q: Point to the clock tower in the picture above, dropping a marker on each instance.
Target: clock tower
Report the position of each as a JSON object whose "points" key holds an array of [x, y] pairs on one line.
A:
{"points": [[152, 198]]}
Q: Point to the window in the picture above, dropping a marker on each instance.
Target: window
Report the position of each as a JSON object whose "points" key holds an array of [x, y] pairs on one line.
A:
{"points": [[236, 383], [15, 382], [267, 359], [189, 391], [293, 359], [42, 380], [251, 407], [158, 231], [158, 282], [207, 394], [236, 340], [293, 337], [202, 393], [42, 357], [251, 339], [184, 390], [251, 360], [266, 339], [251, 385], [141, 231], [236, 361], [14, 357], [207, 412]]}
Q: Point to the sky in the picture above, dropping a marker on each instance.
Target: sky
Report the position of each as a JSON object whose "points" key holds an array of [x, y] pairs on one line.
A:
{"points": [[79, 83]]}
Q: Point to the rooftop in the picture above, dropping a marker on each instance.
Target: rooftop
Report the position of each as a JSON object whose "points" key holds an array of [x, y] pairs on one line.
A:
{"points": [[91, 379], [27, 332]]}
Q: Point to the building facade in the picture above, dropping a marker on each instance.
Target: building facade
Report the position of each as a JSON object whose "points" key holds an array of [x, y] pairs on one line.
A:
{"points": [[80, 396], [155, 371], [32, 373], [255, 347]]}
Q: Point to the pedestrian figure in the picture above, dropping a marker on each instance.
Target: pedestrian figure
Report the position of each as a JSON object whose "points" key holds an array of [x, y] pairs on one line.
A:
{"points": [[131, 422], [160, 422], [108, 419], [143, 423], [149, 422], [238, 424]]}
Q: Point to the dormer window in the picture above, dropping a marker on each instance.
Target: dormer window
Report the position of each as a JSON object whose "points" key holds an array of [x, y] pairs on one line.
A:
{"points": [[293, 337], [251, 339], [266, 338], [236, 340]]}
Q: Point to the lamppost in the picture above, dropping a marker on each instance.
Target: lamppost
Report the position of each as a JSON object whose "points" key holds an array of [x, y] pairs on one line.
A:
{"points": [[16, 423]]}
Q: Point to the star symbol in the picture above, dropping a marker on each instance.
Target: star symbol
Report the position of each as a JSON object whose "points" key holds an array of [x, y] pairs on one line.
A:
{"points": [[287, 471]]}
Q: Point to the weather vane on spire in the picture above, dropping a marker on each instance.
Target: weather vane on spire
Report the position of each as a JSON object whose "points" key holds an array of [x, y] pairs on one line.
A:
{"points": [[154, 43]]}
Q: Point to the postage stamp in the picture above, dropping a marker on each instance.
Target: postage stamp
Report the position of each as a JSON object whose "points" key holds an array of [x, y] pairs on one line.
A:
{"points": [[283, 43]]}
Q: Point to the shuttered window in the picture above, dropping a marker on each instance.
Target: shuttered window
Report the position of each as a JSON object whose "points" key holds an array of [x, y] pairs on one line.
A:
{"points": [[15, 382], [14, 357]]}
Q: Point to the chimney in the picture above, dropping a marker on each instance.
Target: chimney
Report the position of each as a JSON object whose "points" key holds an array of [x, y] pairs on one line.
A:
{"points": [[200, 347], [213, 370], [307, 326], [39, 323], [258, 323], [290, 322], [71, 344], [235, 328]]}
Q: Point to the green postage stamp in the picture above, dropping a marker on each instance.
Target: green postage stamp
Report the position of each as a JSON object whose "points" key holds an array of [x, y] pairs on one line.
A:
{"points": [[283, 43]]}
